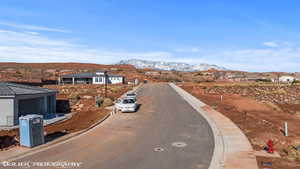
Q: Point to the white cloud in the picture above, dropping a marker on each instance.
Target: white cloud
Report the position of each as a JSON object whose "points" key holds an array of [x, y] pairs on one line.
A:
{"points": [[32, 33], [195, 50], [271, 44], [31, 46], [19, 38], [28, 47], [32, 27], [187, 50], [284, 58], [270, 59], [178, 50]]}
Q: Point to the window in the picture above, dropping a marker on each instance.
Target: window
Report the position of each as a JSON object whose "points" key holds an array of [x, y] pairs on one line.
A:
{"points": [[98, 79], [128, 101]]}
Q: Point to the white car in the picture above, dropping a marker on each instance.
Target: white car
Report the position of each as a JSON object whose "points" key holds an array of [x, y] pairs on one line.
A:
{"points": [[131, 95], [126, 105]]}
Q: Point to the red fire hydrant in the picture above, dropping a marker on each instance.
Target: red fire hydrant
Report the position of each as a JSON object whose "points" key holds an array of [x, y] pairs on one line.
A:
{"points": [[270, 146]]}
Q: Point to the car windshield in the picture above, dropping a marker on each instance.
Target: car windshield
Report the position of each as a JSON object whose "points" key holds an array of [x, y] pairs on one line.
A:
{"points": [[131, 94], [128, 101]]}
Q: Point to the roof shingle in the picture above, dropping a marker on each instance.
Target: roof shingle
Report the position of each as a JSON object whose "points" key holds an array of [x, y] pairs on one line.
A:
{"points": [[12, 89]]}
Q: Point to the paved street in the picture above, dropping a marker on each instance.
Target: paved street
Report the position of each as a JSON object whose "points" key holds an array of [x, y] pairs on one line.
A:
{"points": [[166, 133]]}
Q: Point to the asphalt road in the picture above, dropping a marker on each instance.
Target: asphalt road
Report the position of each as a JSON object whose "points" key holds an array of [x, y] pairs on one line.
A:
{"points": [[166, 133]]}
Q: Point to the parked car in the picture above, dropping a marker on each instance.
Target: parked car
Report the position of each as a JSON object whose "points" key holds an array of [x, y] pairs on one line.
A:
{"points": [[126, 105], [131, 95]]}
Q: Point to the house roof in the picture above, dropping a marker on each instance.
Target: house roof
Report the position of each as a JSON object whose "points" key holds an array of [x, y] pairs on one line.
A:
{"points": [[12, 89], [86, 75], [80, 75]]}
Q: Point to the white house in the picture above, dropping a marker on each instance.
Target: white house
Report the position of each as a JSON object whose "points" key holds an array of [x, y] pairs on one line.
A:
{"points": [[286, 79], [91, 78]]}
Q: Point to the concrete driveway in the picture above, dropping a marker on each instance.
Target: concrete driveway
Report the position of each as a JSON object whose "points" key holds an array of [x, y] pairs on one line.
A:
{"points": [[166, 133]]}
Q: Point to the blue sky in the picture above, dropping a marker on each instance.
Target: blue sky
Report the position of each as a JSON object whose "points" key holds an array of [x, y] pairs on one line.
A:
{"points": [[252, 35]]}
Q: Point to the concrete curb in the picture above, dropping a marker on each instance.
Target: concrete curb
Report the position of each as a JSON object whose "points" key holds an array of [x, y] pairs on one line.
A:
{"points": [[232, 148], [63, 140], [59, 141], [135, 89]]}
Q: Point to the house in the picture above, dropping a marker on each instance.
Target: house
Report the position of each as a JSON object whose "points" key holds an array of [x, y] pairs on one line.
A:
{"points": [[235, 77], [152, 73], [286, 79], [91, 78], [18, 100]]}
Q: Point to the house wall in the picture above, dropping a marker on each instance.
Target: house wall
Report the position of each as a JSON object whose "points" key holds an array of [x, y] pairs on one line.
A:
{"points": [[286, 79], [83, 81], [66, 80], [6, 111], [99, 80], [115, 79], [76, 80]]}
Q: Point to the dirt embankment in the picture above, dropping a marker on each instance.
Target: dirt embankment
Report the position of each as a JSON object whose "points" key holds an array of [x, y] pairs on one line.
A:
{"points": [[275, 93], [77, 101], [258, 116]]}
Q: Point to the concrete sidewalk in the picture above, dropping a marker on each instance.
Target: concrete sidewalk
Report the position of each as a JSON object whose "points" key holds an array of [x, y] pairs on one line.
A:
{"points": [[45, 122], [232, 148]]}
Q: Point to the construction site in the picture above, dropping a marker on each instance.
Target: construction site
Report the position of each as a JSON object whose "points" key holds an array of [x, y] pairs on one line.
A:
{"points": [[78, 102]]}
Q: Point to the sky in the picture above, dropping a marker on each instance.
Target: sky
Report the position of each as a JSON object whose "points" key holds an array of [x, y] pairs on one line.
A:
{"points": [[248, 35]]}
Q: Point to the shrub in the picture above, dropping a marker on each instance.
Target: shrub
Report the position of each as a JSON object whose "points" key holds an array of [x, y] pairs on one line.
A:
{"points": [[74, 96], [107, 102]]}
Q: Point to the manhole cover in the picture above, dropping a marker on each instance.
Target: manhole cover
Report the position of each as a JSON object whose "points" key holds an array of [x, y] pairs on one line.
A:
{"points": [[158, 149], [179, 144]]}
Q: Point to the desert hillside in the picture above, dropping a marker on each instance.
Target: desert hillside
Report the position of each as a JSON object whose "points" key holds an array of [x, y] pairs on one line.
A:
{"points": [[39, 72]]}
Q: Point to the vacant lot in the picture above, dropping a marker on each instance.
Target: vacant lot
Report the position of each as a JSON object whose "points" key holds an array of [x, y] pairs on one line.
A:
{"points": [[79, 102], [260, 110]]}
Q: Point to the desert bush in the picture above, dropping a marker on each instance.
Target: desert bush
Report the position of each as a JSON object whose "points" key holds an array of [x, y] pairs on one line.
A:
{"points": [[273, 106], [107, 102], [292, 153], [199, 74], [74, 96], [113, 89]]}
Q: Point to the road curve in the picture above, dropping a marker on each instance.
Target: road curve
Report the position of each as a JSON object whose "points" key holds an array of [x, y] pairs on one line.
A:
{"points": [[166, 133]]}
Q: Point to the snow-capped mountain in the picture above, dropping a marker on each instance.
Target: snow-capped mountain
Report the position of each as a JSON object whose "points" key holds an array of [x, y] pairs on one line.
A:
{"points": [[162, 65]]}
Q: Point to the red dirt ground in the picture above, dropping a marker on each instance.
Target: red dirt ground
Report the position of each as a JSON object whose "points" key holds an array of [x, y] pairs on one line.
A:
{"points": [[259, 122]]}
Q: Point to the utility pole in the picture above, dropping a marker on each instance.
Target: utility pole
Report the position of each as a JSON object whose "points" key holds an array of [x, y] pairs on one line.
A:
{"points": [[105, 84], [286, 129]]}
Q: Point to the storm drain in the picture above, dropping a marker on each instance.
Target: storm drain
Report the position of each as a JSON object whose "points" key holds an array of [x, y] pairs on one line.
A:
{"points": [[179, 144], [158, 149]]}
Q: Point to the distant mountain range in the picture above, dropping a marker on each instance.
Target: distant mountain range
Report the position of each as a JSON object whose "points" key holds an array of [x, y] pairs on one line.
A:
{"points": [[162, 65]]}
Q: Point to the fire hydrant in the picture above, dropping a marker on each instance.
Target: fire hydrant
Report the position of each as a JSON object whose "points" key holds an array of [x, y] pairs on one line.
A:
{"points": [[270, 147]]}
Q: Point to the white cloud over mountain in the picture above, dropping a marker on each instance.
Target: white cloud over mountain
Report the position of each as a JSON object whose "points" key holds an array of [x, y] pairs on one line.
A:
{"points": [[31, 44]]}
